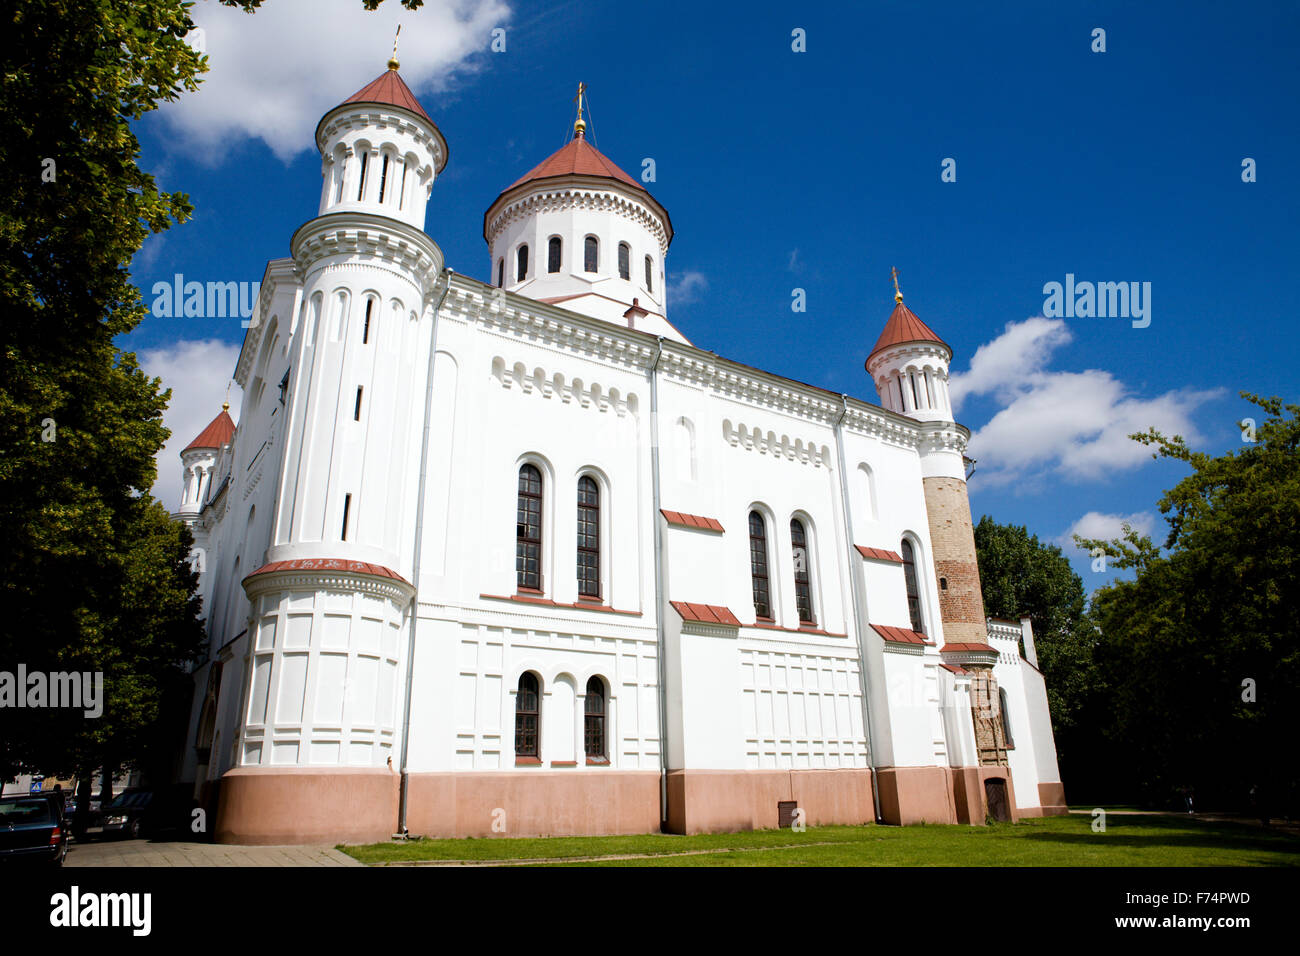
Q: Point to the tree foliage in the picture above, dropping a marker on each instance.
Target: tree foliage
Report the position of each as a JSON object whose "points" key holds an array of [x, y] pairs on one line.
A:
{"points": [[1209, 622]]}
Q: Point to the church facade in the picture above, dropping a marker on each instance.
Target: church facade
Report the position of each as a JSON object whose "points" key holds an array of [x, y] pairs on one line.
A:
{"points": [[516, 558]]}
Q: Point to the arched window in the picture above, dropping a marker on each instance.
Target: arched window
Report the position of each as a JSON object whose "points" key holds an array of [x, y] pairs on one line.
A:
{"points": [[553, 249], [624, 261], [593, 722], [521, 270], [649, 275], [383, 179], [1006, 717], [591, 254], [913, 593], [758, 567], [588, 537], [501, 272], [802, 579], [528, 530], [361, 180], [528, 716], [365, 329]]}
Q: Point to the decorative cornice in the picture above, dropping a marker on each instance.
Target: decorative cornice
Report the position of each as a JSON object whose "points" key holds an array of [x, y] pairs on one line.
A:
{"points": [[368, 116], [767, 443], [552, 198], [552, 327], [546, 385], [409, 249]]}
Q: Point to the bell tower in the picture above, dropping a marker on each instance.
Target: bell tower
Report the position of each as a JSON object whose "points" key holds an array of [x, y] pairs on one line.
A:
{"points": [[909, 365]]}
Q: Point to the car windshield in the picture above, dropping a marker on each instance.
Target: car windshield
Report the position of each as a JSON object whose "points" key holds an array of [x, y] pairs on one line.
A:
{"points": [[129, 798], [19, 812]]}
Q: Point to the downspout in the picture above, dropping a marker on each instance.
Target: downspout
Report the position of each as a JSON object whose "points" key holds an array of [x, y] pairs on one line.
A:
{"points": [[415, 561], [661, 638], [855, 574]]}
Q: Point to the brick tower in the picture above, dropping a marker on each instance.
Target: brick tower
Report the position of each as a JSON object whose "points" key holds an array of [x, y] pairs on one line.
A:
{"points": [[909, 365]]}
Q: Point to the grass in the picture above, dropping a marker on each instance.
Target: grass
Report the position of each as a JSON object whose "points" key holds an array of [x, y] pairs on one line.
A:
{"points": [[1054, 841]]}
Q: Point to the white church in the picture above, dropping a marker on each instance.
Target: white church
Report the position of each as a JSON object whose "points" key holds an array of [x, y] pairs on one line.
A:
{"points": [[516, 558]]}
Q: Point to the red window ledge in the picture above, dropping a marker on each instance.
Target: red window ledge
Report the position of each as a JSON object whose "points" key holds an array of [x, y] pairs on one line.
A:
{"points": [[527, 762], [597, 761], [527, 597], [794, 630], [564, 763]]}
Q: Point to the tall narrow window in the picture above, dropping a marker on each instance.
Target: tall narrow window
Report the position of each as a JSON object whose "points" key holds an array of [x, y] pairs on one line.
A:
{"points": [[649, 275], [758, 566], [1006, 718], [591, 254], [341, 168], [802, 579], [347, 506], [527, 716], [401, 193], [361, 180], [356, 410], [365, 328], [501, 273], [521, 270], [593, 722], [624, 261], [913, 593], [553, 250], [528, 530], [588, 537], [383, 179]]}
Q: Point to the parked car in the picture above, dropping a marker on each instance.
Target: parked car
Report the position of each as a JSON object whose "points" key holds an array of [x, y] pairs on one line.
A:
{"points": [[33, 828], [131, 814]]}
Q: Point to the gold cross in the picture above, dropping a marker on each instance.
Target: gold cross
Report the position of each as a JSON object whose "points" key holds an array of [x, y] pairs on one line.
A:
{"points": [[582, 88], [893, 274], [392, 61]]}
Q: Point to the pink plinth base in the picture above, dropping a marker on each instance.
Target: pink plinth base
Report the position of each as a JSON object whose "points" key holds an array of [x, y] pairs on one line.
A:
{"points": [[533, 803], [711, 801], [287, 805]]}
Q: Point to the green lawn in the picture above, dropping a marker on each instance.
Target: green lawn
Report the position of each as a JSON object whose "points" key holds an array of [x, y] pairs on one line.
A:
{"points": [[1054, 841]]}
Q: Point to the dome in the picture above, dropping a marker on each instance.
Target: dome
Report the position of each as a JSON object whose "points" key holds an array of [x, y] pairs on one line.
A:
{"points": [[218, 433]]}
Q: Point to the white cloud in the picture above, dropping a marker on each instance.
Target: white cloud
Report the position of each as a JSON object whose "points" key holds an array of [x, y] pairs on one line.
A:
{"points": [[1073, 424], [197, 372], [1099, 526], [273, 74], [687, 288], [1022, 348]]}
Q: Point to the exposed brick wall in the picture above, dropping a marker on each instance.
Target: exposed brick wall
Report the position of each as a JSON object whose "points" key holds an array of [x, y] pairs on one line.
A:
{"points": [[961, 605]]}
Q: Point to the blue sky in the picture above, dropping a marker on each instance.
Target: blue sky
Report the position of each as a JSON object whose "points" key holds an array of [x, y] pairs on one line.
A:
{"points": [[821, 170]]}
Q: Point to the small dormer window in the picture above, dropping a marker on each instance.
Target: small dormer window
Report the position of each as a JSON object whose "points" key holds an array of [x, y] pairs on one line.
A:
{"points": [[624, 261], [521, 272], [591, 254]]}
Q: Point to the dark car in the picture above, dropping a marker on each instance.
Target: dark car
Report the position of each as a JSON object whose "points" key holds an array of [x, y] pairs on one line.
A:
{"points": [[33, 828], [131, 814]]}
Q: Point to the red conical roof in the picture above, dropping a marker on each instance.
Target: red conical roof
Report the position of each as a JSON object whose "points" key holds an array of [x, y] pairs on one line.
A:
{"points": [[577, 158], [215, 435], [904, 326], [390, 89]]}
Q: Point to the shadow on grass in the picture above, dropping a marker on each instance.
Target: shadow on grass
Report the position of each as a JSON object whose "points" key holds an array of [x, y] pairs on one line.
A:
{"points": [[1187, 833]]}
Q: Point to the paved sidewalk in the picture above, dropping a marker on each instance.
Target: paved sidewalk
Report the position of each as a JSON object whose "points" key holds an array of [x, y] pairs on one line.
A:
{"points": [[150, 853]]}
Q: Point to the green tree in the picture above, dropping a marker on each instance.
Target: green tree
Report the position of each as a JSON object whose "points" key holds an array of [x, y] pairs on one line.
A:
{"points": [[1208, 623]]}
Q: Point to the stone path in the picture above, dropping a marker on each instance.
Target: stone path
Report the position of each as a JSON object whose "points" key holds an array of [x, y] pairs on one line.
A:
{"points": [[150, 853]]}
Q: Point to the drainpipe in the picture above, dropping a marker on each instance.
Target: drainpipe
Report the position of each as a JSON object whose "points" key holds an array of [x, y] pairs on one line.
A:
{"points": [[855, 574], [659, 587], [415, 562]]}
